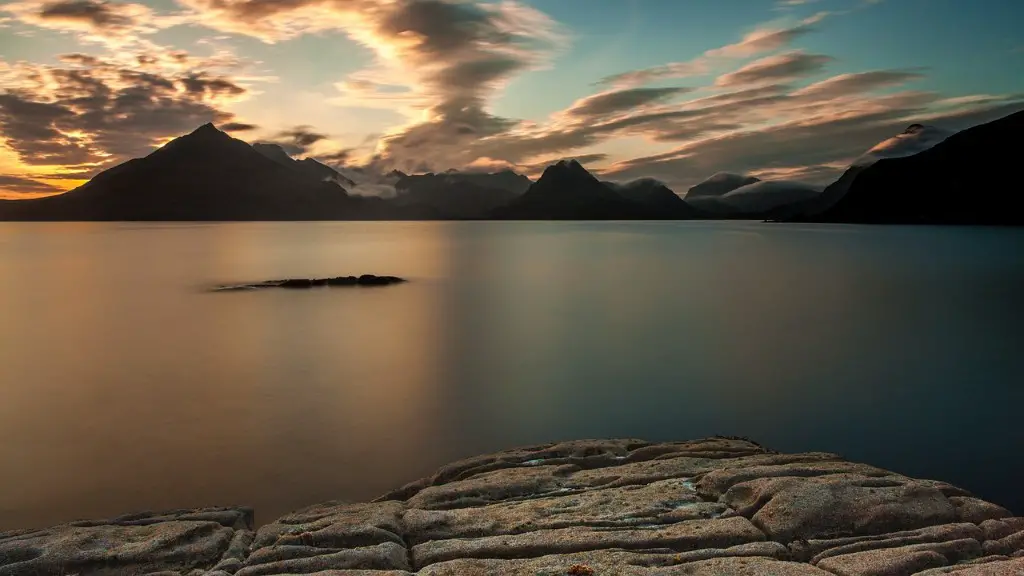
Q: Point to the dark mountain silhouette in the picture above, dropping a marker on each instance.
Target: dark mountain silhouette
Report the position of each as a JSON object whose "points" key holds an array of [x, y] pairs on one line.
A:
{"points": [[460, 195], [310, 167], [204, 175], [915, 139], [655, 195], [965, 179], [719, 184], [566, 191]]}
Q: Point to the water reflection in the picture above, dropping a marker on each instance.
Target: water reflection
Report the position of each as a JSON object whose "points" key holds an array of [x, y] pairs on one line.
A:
{"points": [[126, 386]]}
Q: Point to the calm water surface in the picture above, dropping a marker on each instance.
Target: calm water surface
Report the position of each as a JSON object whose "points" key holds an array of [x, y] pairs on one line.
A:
{"points": [[124, 385]]}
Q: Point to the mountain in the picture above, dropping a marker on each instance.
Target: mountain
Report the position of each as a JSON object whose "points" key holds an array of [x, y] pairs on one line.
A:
{"points": [[719, 184], [769, 195], [310, 167], [460, 195], [916, 138], [756, 201], [656, 195], [968, 178], [566, 191], [205, 175]]}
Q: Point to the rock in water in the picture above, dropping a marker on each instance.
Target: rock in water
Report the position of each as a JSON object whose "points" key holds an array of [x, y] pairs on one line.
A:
{"points": [[593, 507], [306, 283]]}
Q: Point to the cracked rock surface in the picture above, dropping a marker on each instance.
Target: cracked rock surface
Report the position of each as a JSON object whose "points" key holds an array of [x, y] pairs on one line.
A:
{"points": [[593, 507]]}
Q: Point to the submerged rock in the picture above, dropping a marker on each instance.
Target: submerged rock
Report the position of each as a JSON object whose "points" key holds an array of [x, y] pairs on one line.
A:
{"points": [[307, 283], [591, 507]]}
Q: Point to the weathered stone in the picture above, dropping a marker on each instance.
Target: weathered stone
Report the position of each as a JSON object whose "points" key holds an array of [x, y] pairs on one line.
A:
{"points": [[975, 567], [815, 550], [789, 508], [136, 544], [661, 502], [358, 572], [237, 518], [977, 511], [714, 484], [617, 562], [743, 567], [1007, 545], [705, 448], [495, 486], [683, 536], [996, 529], [306, 559], [587, 454], [676, 465], [945, 487], [336, 525], [902, 560]]}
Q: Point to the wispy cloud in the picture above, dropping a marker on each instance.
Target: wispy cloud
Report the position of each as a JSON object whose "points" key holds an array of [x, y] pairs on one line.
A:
{"points": [[788, 66], [13, 184], [765, 38]]}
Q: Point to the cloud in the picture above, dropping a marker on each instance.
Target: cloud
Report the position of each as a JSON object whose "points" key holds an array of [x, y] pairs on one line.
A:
{"points": [[647, 75], [765, 38], [451, 56], [846, 84], [611, 102], [98, 21], [98, 112], [813, 147], [298, 140], [788, 66], [338, 158], [92, 13], [238, 127], [10, 183]]}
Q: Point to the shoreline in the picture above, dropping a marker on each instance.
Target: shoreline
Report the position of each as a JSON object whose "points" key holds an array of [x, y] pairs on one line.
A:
{"points": [[718, 505]]}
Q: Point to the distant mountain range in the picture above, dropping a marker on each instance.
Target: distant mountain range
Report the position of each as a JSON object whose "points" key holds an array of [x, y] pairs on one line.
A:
{"points": [[461, 194], [923, 175], [567, 191], [207, 175]]}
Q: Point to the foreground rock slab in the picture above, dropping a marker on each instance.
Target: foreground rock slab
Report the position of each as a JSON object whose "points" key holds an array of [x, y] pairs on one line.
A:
{"points": [[584, 508]]}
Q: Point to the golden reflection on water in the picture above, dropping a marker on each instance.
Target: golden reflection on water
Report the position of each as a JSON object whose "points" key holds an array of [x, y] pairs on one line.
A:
{"points": [[155, 394]]}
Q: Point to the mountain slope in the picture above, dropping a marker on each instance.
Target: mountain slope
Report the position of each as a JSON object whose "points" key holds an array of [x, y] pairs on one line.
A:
{"points": [[916, 138], [309, 167], [655, 195], [458, 195], [204, 175], [566, 191], [968, 178]]}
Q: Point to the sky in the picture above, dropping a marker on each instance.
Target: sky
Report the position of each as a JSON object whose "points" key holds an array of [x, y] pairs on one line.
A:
{"points": [[671, 89]]}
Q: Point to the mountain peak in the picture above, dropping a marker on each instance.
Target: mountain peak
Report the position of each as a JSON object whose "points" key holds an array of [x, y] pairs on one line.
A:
{"points": [[567, 168], [207, 129]]}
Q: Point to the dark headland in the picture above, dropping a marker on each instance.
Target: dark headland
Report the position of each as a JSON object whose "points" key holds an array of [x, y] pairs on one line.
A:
{"points": [[207, 175], [595, 507]]}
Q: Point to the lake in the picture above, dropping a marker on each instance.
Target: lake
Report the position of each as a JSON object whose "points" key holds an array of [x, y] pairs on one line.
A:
{"points": [[126, 385]]}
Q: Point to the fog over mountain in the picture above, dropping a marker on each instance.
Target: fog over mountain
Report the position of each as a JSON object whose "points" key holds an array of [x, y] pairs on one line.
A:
{"points": [[719, 184]]}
